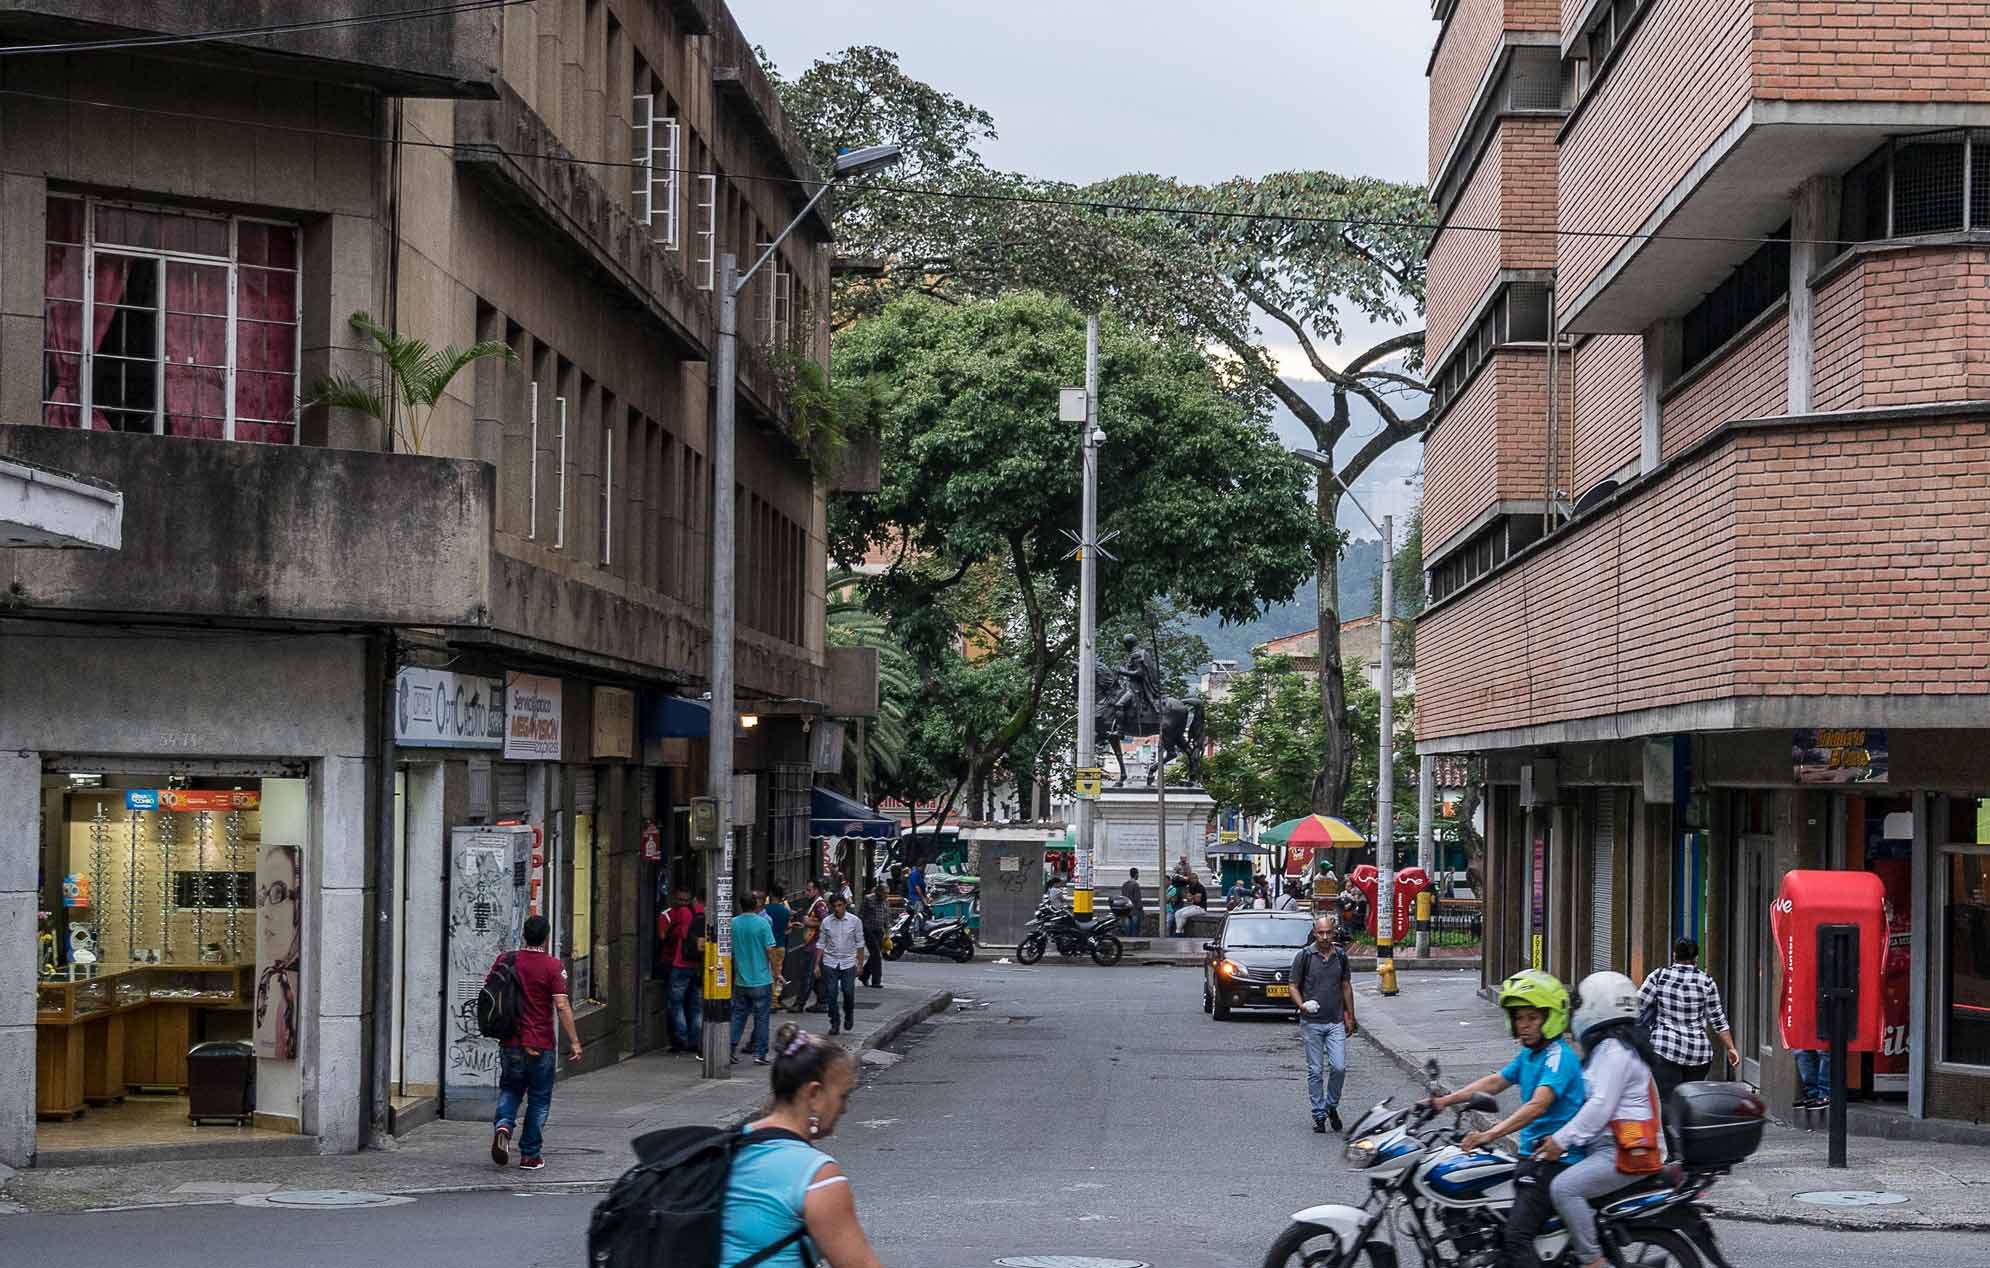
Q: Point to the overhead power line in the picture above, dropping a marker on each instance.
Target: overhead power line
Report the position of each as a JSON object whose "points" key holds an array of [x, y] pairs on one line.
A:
{"points": [[113, 44], [927, 191]]}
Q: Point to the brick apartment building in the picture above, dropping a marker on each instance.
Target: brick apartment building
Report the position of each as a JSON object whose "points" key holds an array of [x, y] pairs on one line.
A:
{"points": [[328, 655], [1706, 322]]}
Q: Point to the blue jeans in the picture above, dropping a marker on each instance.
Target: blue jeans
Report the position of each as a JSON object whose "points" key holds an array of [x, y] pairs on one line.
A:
{"points": [[1814, 1072], [1131, 923], [1328, 1040], [840, 982], [759, 1000], [685, 1013], [528, 1078]]}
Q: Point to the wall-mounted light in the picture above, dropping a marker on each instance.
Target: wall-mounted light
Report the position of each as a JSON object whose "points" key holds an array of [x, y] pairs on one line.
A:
{"points": [[747, 721]]}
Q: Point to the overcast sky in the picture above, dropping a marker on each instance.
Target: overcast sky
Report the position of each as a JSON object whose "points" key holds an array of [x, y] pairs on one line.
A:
{"points": [[1082, 90]]}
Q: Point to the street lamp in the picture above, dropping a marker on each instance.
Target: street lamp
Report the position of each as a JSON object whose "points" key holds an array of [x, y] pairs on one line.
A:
{"points": [[718, 900], [1385, 769]]}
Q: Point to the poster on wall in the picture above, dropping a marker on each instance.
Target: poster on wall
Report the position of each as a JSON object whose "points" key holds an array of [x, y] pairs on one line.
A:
{"points": [[614, 722], [487, 905], [531, 718], [1839, 755], [279, 948], [434, 708]]}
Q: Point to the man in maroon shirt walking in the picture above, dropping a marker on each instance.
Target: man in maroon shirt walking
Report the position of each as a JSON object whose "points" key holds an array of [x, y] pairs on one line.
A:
{"points": [[528, 1068]]}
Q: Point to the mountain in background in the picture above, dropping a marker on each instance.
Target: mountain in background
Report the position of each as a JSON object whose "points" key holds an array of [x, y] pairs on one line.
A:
{"points": [[1358, 569]]}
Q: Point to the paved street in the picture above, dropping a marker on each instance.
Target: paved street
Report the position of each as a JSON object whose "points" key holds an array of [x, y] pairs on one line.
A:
{"points": [[1056, 1110]]}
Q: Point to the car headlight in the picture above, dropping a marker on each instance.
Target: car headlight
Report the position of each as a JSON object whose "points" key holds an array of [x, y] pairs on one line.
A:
{"points": [[1230, 968], [1361, 1153]]}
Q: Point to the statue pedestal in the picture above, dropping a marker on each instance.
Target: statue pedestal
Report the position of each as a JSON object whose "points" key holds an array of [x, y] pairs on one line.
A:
{"points": [[1127, 824]]}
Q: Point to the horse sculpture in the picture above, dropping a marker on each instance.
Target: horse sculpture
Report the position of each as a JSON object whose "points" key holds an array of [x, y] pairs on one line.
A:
{"points": [[1180, 723]]}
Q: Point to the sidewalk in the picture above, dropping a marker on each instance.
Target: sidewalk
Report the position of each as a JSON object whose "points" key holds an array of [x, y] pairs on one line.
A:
{"points": [[594, 1118], [1944, 1186]]}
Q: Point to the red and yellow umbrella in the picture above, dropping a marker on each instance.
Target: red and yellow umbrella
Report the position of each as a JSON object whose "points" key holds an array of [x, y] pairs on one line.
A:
{"points": [[1308, 833]]}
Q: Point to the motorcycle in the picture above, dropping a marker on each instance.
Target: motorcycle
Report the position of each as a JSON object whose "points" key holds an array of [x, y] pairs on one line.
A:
{"points": [[1451, 1203], [1072, 934], [948, 938]]}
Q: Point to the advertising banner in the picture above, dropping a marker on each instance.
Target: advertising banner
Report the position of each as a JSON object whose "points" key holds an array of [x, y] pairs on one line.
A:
{"points": [[531, 718], [279, 949], [1839, 755], [434, 708]]}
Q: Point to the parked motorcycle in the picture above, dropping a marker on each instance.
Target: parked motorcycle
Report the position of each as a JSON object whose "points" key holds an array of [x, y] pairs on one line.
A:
{"points": [[1452, 1204], [1072, 934], [948, 938]]}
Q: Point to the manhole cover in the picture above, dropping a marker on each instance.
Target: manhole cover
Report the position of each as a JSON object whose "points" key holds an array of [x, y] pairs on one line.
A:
{"points": [[1851, 1197], [321, 1199], [1066, 1261]]}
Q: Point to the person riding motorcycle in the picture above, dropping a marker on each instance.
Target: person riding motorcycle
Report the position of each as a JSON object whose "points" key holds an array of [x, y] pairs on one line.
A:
{"points": [[1620, 1088], [1549, 1076]]}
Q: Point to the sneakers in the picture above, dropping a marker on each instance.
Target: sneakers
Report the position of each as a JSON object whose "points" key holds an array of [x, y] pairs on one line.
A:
{"points": [[531, 1164], [501, 1146], [1333, 1117], [1320, 1124], [761, 1061]]}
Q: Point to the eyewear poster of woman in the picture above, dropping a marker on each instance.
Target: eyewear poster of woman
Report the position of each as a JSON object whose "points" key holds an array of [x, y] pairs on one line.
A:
{"points": [[279, 948]]}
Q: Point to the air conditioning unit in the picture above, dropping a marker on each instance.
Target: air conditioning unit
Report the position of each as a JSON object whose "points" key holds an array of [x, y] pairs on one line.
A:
{"points": [[1540, 782]]}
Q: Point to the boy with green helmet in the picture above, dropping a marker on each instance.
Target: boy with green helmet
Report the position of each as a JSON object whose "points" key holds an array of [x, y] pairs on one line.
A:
{"points": [[1549, 1075]]}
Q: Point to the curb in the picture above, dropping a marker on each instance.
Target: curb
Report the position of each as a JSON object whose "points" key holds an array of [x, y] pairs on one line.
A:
{"points": [[893, 1027]]}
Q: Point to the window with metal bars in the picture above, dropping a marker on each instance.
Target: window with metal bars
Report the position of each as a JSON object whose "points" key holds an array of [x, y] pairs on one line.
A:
{"points": [[1490, 547], [1518, 314], [656, 146], [1534, 79], [1935, 182], [1744, 295]]}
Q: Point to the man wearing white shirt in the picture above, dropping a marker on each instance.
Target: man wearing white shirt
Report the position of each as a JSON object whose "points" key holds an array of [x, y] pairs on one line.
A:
{"points": [[842, 945]]}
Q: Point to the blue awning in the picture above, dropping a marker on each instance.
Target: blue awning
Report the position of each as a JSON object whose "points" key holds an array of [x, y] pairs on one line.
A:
{"points": [[675, 718], [834, 815]]}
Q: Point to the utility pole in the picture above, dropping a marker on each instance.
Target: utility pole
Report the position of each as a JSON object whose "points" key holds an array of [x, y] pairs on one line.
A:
{"points": [[1088, 633], [1385, 776], [725, 717], [1161, 801], [1426, 826], [718, 771]]}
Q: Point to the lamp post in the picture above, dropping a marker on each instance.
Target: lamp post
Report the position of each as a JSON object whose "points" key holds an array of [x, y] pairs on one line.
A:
{"points": [[718, 776], [1072, 407], [1385, 771]]}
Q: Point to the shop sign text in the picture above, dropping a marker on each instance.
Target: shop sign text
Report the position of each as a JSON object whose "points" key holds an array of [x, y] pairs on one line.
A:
{"points": [[531, 718], [1840, 755], [434, 708]]}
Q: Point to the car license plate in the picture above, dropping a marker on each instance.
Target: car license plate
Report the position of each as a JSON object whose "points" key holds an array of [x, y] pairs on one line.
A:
{"points": [[1278, 992]]}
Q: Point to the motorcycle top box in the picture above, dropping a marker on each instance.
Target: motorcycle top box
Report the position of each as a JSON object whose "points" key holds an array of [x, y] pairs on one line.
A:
{"points": [[1718, 1124]]}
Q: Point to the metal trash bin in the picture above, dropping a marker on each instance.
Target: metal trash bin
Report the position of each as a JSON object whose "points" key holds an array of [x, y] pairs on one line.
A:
{"points": [[221, 1082]]}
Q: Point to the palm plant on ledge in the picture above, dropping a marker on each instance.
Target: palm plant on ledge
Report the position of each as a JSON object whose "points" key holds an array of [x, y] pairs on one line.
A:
{"points": [[411, 378]]}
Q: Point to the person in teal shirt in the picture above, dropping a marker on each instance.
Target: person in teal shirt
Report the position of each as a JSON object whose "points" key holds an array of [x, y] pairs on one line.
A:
{"points": [[752, 977], [1549, 1075]]}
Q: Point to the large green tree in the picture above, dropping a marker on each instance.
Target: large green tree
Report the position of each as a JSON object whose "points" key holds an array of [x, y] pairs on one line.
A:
{"points": [[978, 473], [1302, 255]]}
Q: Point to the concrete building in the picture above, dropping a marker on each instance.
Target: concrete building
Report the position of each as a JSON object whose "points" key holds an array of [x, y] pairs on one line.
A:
{"points": [[1360, 650], [1703, 533], [328, 648]]}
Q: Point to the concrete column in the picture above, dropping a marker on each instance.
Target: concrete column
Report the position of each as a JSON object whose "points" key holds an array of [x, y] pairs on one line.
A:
{"points": [[428, 844], [1813, 226], [23, 237], [20, 846], [334, 975], [1661, 363]]}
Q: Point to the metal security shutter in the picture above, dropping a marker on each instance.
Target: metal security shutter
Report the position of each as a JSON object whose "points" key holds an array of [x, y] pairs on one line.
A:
{"points": [[584, 790], [1602, 847], [510, 790]]}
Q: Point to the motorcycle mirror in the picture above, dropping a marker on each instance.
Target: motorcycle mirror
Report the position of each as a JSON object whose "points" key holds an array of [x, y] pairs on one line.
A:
{"points": [[1208, 946], [1430, 1069]]}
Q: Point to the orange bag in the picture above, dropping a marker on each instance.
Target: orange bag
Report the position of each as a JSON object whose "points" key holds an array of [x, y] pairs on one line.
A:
{"points": [[1640, 1142]]}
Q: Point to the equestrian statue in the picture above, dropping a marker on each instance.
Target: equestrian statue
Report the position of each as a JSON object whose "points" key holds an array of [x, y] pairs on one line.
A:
{"points": [[1134, 692]]}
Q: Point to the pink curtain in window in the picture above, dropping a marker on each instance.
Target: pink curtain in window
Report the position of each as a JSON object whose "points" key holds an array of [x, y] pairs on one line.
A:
{"points": [[196, 350], [64, 336]]}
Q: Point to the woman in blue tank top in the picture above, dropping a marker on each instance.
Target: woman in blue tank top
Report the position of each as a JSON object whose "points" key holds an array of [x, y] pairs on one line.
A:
{"points": [[787, 1194]]}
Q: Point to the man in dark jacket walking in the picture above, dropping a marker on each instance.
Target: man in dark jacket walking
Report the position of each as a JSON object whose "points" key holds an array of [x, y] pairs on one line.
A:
{"points": [[874, 912], [1325, 991]]}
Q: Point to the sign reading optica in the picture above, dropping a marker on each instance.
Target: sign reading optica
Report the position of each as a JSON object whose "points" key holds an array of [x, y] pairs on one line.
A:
{"points": [[531, 718], [434, 708], [1840, 755]]}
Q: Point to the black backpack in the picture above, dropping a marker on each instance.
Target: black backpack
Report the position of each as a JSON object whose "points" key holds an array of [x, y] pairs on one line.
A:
{"points": [[666, 1211], [501, 1002]]}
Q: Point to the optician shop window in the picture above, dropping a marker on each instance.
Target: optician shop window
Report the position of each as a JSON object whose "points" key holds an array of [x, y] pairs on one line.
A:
{"points": [[1963, 885], [170, 321]]}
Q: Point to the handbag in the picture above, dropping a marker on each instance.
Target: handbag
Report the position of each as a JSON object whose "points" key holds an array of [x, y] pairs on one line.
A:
{"points": [[1639, 1148]]}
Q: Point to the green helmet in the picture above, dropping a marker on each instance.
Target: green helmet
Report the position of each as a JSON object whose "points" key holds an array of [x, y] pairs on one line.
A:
{"points": [[1532, 988]]}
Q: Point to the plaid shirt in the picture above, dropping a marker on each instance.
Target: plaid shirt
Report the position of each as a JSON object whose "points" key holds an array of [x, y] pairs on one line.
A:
{"points": [[1688, 1001]]}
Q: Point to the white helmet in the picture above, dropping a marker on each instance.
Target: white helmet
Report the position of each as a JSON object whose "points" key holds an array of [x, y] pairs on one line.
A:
{"points": [[1601, 998]]}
